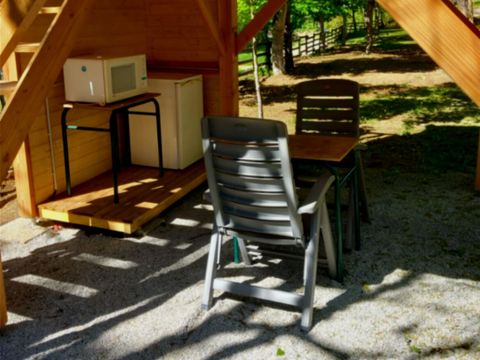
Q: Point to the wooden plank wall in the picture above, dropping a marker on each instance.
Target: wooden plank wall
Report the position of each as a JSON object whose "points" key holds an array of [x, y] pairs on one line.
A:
{"points": [[179, 40]]}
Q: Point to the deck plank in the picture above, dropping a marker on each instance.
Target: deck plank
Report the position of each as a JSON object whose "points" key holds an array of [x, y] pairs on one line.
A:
{"points": [[143, 196]]}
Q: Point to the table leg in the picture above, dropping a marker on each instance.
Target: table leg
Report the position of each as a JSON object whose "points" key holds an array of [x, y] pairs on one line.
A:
{"points": [[115, 155], [338, 226], [159, 135], [356, 201], [65, 151]]}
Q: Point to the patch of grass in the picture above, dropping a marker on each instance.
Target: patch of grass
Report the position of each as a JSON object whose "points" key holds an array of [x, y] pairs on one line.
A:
{"points": [[408, 127], [385, 40], [443, 103]]}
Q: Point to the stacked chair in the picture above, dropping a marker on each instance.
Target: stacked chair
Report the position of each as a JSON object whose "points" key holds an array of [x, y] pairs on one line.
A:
{"points": [[331, 107]]}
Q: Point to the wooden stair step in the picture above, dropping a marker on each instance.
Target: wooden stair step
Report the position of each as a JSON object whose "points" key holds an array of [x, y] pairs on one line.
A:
{"points": [[49, 10], [27, 47], [7, 86]]}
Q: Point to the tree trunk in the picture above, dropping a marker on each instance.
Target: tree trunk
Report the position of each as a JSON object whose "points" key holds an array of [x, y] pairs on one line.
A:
{"points": [[344, 28], [258, 91], [322, 33], [354, 20], [469, 10], [466, 7], [289, 64], [368, 16], [278, 41]]}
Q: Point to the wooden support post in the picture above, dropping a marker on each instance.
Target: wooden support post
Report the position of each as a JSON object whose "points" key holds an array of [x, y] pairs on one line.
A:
{"points": [[3, 299], [228, 63], [22, 166], [257, 23], [477, 181]]}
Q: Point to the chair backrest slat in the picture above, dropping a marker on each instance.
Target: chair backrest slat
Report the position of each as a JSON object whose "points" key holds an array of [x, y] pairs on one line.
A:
{"points": [[248, 168], [333, 102], [250, 177], [244, 225], [256, 198], [328, 106], [257, 212], [329, 127], [260, 185]]}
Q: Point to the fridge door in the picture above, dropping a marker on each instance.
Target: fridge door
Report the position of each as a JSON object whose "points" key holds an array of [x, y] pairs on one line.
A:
{"points": [[189, 114], [181, 108]]}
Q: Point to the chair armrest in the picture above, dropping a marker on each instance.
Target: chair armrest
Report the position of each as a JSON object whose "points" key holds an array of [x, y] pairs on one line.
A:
{"points": [[316, 194], [361, 147]]}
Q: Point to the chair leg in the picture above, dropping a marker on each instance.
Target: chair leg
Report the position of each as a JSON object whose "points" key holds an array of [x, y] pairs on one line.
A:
{"points": [[328, 241], [339, 229], [348, 243], [236, 257], [311, 261], [356, 200], [212, 261], [243, 251], [363, 192]]}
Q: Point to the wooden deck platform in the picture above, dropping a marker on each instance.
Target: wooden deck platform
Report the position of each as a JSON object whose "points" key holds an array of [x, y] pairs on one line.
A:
{"points": [[143, 196]]}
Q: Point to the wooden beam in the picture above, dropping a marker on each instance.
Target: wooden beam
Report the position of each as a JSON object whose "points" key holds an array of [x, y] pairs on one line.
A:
{"points": [[257, 23], [22, 166], [3, 299], [228, 64], [212, 25], [9, 44], [20, 112], [450, 40]]}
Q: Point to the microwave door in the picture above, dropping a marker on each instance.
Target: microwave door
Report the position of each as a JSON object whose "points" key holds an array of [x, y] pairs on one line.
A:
{"points": [[122, 81]]}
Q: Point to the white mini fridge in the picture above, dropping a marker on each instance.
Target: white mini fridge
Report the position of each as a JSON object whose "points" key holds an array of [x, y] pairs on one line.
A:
{"points": [[181, 109]]}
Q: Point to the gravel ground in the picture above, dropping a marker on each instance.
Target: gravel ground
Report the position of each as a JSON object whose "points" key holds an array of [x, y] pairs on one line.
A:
{"points": [[412, 291]]}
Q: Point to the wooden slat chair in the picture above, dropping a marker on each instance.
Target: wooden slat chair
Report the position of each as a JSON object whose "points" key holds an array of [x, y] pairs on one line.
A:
{"points": [[331, 107], [254, 199]]}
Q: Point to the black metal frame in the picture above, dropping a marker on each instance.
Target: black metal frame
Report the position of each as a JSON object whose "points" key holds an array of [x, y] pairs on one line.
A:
{"points": [[114, 143]]}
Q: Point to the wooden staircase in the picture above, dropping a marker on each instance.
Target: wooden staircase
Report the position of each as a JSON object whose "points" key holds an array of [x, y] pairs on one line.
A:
{"points": [[450, 39], [27, 84], [37, 74]]}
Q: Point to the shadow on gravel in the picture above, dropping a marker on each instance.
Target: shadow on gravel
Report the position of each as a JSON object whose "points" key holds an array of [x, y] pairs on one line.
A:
{"points": [[410, 186]]}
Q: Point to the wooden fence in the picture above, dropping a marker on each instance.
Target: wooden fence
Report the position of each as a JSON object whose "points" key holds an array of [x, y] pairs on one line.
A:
{"points": [[302, 45]]}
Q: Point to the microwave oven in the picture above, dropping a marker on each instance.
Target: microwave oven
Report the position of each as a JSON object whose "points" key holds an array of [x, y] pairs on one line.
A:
{"points": [[103, 80]]}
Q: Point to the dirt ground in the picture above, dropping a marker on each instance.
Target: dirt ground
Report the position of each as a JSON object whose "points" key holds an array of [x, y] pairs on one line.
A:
{"points": [[376, 73]]}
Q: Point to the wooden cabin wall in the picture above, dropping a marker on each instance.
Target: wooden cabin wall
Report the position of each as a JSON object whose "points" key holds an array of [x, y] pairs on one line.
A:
{"points": [[179, 41], [175, 37]]}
